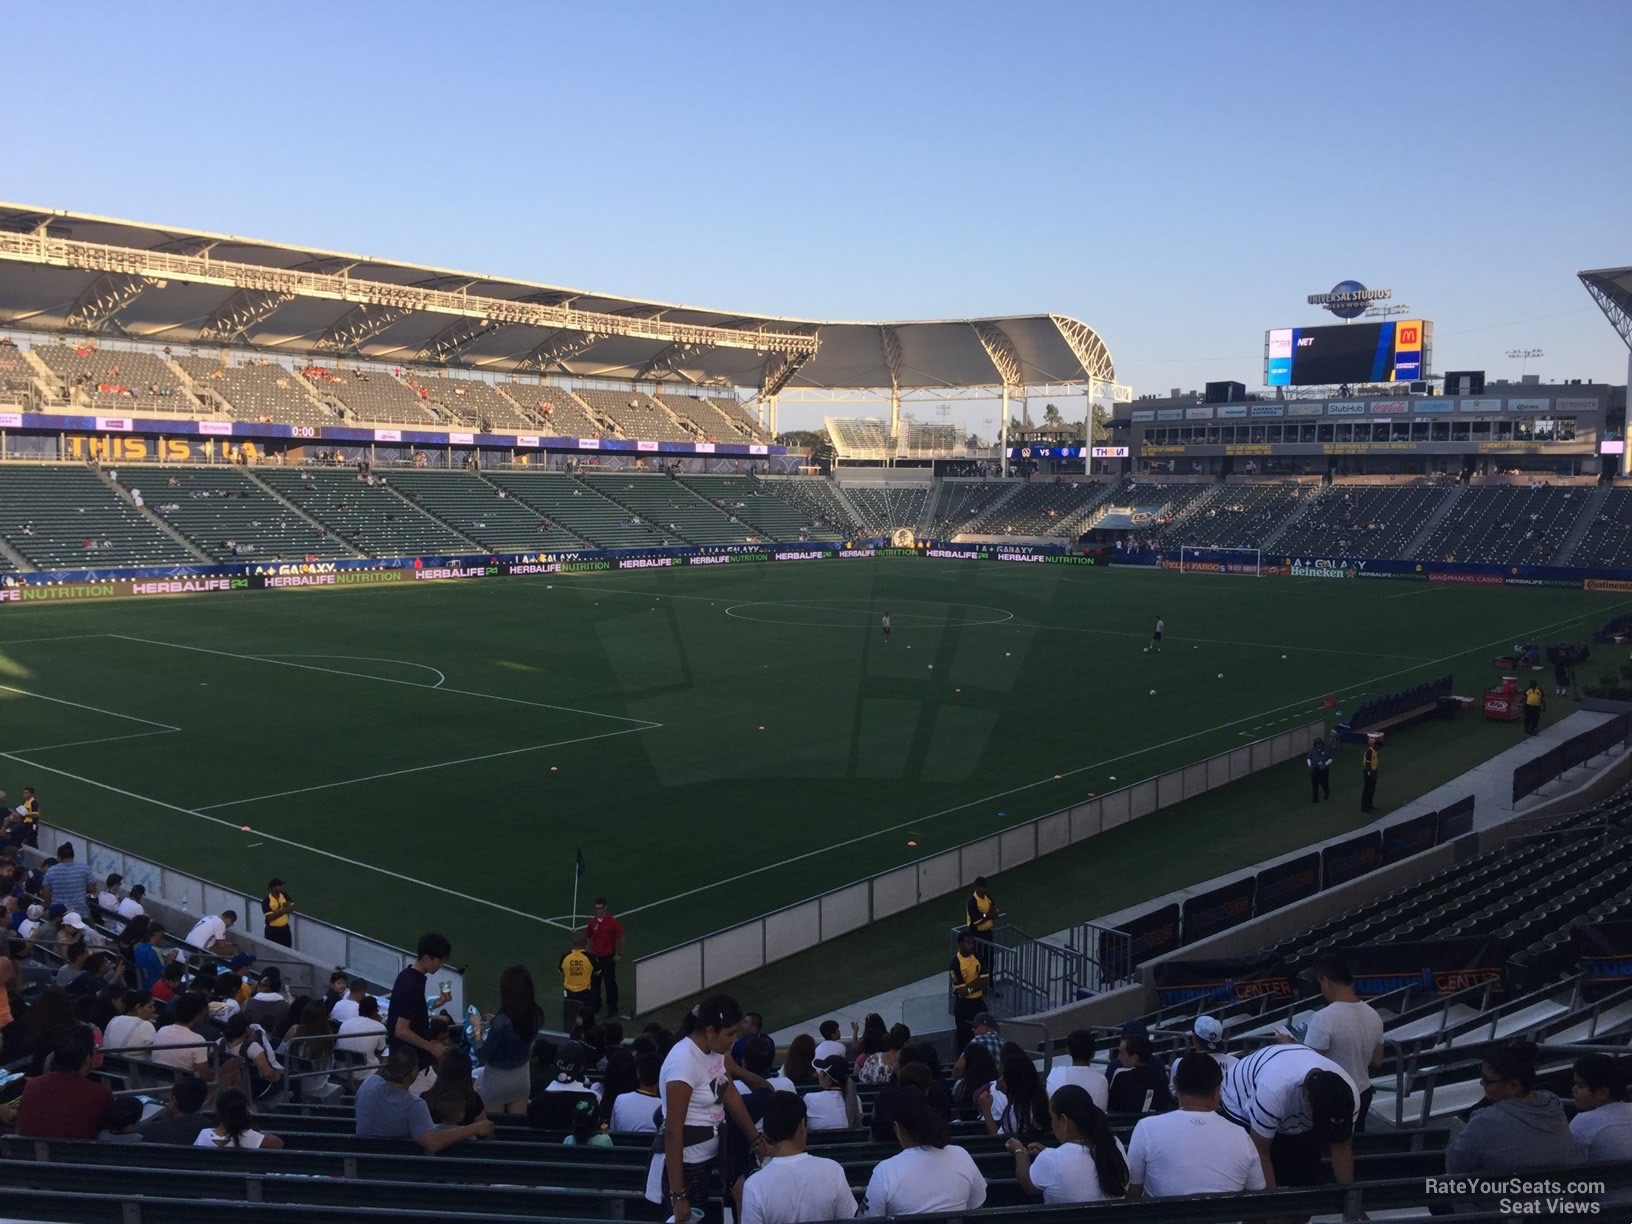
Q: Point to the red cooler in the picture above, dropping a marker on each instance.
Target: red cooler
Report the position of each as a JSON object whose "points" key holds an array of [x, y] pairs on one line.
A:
{"points": [[1504, 703]]}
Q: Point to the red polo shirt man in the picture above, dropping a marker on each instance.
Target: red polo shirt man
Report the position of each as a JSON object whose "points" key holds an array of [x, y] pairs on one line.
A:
{"points": [[604, 936]]}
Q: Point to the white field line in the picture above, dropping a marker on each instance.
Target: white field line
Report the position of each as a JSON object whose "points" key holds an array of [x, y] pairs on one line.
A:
{"points": [[80, 705], [66, 637], [286, 841], [1426, 589], [413, 769], [917, 822], [106, 739], [1174, 638], [336, 671], [440, 678]]}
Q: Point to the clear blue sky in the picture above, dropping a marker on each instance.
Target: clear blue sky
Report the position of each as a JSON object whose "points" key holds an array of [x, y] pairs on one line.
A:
{"points": [[1179, 175]]}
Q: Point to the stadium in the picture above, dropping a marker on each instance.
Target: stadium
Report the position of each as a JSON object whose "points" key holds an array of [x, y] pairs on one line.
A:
{"points": [[1127, 750]]}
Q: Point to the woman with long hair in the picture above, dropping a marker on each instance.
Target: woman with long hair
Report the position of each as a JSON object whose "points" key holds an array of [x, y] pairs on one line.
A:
{"points": [[930, 1174], [506, 1049], [243, 1045], [698, 1098], [1017, 1104], [1090, 1162], [234, 1124], [979, 1072], [799, 1067], [619, 1077], [453, 1099]]}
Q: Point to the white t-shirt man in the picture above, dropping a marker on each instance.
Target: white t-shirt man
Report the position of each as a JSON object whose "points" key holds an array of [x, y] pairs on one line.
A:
{"points": [[363, 1036], [176, 1045], [1190, 1152], [1264, 1090], [1348, 1034], [1604, 1133], [829, 1049], [1090, 1079], [1224, 1061], [128, 1032], [207, 930], [345, 1008], [794, 1189], [925, 1180], [108, 903], [1067, 1174], [129, 908], [634, 1113]]}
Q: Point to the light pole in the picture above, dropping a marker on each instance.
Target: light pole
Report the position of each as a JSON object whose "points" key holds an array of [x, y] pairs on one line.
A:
{"points": [[1524, 355]]}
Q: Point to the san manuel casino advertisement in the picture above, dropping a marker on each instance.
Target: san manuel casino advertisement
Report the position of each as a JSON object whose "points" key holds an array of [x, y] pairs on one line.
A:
{"points": [[1396, 350]]}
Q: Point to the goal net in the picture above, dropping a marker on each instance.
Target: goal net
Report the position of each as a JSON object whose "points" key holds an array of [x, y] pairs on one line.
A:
{"points": [[1207, 559]]}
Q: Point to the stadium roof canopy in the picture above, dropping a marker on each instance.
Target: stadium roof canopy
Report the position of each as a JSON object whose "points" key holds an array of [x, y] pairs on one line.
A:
{"points": [[62, 271], [1611, 288]]}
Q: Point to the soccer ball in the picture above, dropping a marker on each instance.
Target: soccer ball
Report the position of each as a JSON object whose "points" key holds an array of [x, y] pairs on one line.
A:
{"points": [[932, 667], [1221, 675], [1153, 692], [1147, 650]]}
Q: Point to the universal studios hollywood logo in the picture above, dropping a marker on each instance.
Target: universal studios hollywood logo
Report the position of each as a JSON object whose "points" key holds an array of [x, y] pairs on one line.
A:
{"points": [[1349, 299]]}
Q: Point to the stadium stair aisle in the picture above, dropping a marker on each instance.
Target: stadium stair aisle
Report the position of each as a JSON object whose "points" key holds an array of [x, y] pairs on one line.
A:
{"points": [[370, 518], [716, 420], [821, 501], [885, 508], [636, 415], [470, 401], [1604, 533], [579, 509], [1363, 520], [368, 395], [672, 508], [48, 512], [1043, 508], [557, 412], [757, 505], [117, 380], [257, 391], [963, 501], [472, 505], [215, 505], [1506, 525]]}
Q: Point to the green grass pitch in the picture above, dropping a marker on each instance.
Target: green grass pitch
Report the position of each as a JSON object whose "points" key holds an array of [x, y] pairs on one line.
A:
{"points": [[718, 742]]}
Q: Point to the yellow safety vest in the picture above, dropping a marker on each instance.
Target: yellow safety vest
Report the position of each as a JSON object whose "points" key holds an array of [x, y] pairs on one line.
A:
{"points": [[577, 972], [984, 908]]}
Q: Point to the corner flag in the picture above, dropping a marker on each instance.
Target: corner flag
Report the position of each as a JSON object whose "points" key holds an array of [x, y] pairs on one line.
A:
{"points": [[581, 864]]}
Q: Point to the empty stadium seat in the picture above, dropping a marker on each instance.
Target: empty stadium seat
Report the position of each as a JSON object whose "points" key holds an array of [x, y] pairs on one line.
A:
{"points": [[371, 519], [258, 390], [636, 415], [758, 506], [674, 509], [1363, 520], [1507, 525], [117, 380], [368, 395], [217, 507], [475, 508], [886, 508], [48, 513]]}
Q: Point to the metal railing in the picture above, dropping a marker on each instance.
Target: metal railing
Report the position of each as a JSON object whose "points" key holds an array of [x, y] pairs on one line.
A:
{"points": [[1031, 975]]}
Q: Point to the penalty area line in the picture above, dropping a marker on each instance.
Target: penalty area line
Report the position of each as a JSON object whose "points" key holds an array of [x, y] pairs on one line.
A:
{"points": [[285, 841], [80, 705]]}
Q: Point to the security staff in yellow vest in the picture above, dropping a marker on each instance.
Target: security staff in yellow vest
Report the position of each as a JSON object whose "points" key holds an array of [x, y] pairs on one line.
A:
{"points": [[1534, 704], [577, 985], [969, 979], [1368, 776]]}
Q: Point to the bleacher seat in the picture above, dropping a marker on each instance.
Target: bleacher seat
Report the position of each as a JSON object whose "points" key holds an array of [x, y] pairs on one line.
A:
{"points": [[258, 390], [1507, 524], [885, 508], [49, 511], [1238, 516], [371, 519], [636, 414], [475, 508], [817, 498], [1608, 538], [1046, 508], [368, 395], [1363, 520], [757, 505], [579, 509], [676, 511], [472, 403], [215, 505], [963, 501], [556, 412], [117, 380]]}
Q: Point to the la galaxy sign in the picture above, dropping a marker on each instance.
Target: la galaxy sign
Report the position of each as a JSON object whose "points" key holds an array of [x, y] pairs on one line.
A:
{"points": [[1349, 299]]}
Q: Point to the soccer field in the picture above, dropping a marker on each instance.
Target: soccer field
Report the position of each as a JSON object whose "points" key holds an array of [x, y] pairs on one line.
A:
{"points": [[718, 742]]}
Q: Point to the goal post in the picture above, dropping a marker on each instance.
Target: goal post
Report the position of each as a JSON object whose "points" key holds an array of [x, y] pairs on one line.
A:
{"points": [[1210, 559]]}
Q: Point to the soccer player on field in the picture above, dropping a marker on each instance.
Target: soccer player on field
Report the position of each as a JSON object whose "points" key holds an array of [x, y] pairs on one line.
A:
{"points": [[1156, 638], [886, 624]]}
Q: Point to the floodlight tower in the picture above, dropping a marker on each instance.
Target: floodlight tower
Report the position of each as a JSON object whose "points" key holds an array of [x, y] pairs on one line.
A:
{"points": [[1524, 355]]}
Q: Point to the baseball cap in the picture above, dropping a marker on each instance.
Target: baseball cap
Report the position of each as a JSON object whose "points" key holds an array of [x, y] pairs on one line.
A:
{"points": [[73, 919], [58, 909], [36, 912], [835, 1066], [986, 1018], [1208, 1030], [1331, 1106], [569, 1060], [242, 961]]}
